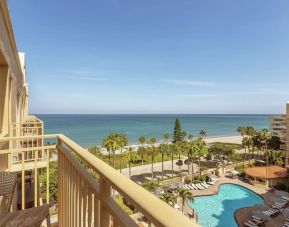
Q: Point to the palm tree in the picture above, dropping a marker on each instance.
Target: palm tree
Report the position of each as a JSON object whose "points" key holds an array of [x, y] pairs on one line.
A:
{"points": [[162, 149], [150, 185], [265, 136], [130, 156], [95, 151], [200, 151], [169, 198], [202, 134], [123, 141], [141, 151], [152, 152], [191, 155], [241, 130], [184, 135], [166, 137], [142, 140], [185, 195], [178, 149], [106, 143], [249, 132], [277, 156], [190, 137], [170, 151]]}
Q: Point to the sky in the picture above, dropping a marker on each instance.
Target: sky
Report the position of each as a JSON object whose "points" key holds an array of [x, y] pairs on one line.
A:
{"points": [[154, 56]]}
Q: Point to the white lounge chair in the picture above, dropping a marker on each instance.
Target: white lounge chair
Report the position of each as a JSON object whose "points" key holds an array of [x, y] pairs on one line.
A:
{"points": [[205, 186], [205, 183], [200, 186], [211, 182], [194, 186], [250, 225], [190, 187]]}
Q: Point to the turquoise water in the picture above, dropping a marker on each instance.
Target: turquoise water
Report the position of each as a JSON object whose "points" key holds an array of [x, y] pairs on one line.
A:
{"points": [[91, 129], [218, 210]]}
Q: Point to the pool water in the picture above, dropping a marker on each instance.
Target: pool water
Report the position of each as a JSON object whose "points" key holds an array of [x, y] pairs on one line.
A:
{"points": [[219, 209]]}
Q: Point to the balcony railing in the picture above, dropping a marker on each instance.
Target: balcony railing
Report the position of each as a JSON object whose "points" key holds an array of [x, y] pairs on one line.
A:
{"points": [[30, 126], [86, 186]]}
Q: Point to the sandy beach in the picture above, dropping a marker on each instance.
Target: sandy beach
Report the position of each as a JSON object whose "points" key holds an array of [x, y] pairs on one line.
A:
{"points": [[221, 139], [225, 139]]}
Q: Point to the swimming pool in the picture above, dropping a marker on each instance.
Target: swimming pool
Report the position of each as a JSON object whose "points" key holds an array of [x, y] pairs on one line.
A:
{"points": [[219, 209]]}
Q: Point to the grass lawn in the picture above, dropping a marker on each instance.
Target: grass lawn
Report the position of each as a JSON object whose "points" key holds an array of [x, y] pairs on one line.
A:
{"points": [[124, 164]]}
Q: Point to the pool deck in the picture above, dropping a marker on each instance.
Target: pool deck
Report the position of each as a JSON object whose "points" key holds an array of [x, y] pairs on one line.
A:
{"points": [[244, 214]]}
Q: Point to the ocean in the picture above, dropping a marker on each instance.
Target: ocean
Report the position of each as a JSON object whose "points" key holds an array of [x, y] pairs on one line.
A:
{"points": [[90, 129]]}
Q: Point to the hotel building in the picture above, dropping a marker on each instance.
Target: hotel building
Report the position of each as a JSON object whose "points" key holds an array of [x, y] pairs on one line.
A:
{"points": [[279, 126]]}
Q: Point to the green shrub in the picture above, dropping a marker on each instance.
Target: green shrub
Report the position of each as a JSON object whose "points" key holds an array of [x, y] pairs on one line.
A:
{"points": [[187, 180]]}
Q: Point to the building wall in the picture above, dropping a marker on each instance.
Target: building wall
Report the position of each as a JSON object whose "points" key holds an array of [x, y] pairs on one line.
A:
{"points": [[13, 86], [277, 126]]}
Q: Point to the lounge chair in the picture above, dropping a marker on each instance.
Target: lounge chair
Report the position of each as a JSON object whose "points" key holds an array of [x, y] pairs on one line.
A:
{"points": [[254, 222], [194, 186], [191, 187], [271, 212], [286, 224], [205, 186], [250, 225], [200, 186], [279, 205], [205, 183]]}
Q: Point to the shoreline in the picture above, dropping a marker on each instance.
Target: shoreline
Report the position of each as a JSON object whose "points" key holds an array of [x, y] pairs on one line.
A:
{"points": [[217, 139]]}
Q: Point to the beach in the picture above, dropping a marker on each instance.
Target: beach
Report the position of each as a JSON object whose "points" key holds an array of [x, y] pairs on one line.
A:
{"points": [[225, 139], [220, 139]]}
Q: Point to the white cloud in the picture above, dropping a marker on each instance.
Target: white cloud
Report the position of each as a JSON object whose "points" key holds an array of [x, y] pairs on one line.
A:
{"points": [[190, 83]]}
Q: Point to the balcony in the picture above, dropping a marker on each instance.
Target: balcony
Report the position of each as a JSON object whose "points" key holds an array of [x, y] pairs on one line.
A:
{"points": [[86, 186], [28, 149]]}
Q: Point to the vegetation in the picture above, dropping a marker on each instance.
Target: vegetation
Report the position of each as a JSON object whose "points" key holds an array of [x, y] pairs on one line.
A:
{"points": [[178, 133], [221, 152], [185, 195], [150, 185], [169, 198], [53, 169], [131, 156], [120, 201]]}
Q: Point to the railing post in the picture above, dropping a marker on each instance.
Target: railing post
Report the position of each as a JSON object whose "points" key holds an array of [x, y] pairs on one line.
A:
{"points": [[60, 183], [47, 176], [104, 192], [35, 179], [22, 182]]}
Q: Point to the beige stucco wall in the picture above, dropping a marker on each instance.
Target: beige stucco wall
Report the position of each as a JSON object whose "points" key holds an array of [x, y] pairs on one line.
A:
{"points": [[13, 86]]}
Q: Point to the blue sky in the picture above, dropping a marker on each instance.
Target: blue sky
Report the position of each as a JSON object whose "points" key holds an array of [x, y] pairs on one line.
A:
{"points": [[155, 56]]}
